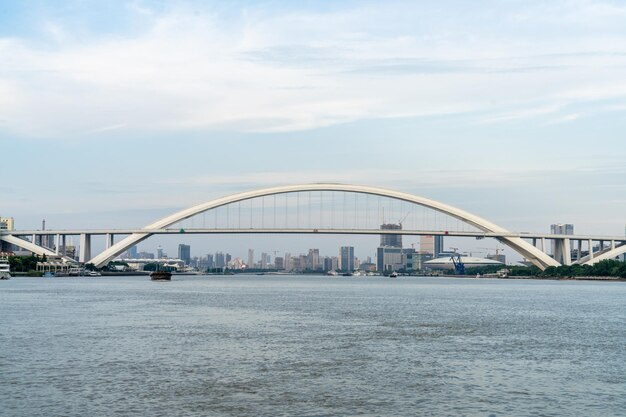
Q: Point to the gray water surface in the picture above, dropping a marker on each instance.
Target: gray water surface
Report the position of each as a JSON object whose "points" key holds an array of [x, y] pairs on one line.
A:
{"points": [[311, 346]]}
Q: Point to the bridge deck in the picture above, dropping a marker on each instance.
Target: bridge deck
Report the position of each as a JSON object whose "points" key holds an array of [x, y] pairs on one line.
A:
{"points": [[167, 231]]}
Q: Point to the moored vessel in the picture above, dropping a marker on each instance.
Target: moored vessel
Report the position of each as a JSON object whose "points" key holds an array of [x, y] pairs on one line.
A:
{"points": [[161, 276]]}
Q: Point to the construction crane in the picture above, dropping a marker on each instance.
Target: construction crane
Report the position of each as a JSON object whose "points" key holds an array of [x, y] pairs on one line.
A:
{"points": [[404, 218], [459, 266]]}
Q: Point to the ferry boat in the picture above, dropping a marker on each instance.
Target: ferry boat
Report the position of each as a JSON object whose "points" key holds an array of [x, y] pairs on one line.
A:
{"points": [[5, 268]]}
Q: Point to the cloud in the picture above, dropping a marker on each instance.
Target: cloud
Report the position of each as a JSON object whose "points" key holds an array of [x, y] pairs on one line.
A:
{"points": [[286, 70]]}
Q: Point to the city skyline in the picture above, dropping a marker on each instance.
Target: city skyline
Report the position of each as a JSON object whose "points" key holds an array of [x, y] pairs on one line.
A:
{"points": [[513, 121]]}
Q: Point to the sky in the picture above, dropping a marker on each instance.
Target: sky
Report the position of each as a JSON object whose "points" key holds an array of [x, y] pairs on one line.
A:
{"points": [[113, 114]]}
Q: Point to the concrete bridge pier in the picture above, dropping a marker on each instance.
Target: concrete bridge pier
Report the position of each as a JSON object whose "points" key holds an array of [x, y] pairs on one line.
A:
{"points": [[110, 240], [563, 251], [85, 247]]}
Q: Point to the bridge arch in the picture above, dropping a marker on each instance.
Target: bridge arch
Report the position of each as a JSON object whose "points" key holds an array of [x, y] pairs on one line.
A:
{"points": [[531, 253]]}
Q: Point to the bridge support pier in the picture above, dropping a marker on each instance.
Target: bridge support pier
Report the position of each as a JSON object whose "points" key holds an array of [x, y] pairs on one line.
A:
{"points": [[562, 251], [85, 248], [57, 243], [110, 240], [567, 252], [590, 244]]}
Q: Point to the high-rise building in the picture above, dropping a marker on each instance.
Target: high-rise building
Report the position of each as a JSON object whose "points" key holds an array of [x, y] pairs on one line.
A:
{"points": [[279, 263], [132, 252], [313, 260], [391, 241], [346, 258], [288, 262], [264, 260], [7, 223], [250, 258], [220, 260], [160, 253], [397, 259], [184, 253], [431, 245]]}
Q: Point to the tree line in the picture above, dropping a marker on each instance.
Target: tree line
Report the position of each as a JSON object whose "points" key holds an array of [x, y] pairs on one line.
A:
{"points": [[606, 268]]}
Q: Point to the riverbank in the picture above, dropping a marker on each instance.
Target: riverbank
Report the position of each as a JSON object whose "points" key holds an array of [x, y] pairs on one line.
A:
{"points": [[580, 278]]}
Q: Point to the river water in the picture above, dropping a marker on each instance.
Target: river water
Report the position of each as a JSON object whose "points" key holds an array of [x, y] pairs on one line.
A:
{"points": [[311, 346]]}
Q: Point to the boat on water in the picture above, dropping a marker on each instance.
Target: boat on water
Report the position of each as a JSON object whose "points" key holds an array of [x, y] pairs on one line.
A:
{"points": [[5, 268], [393, 275], [161, 276], [94, 274]]}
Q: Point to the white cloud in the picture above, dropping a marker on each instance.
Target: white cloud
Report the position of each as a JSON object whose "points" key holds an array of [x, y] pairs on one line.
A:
{"points": [[295, 71]]}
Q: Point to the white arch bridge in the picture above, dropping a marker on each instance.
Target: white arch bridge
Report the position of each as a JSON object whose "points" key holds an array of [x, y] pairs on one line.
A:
{"points": [[326, 208]]}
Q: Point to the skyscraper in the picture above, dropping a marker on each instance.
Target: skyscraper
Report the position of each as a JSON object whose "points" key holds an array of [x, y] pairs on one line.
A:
{"points": [[392, 241], [346, 258], [313, 260], [132, 252], [184, 253], [220, 260], [250, 258]]}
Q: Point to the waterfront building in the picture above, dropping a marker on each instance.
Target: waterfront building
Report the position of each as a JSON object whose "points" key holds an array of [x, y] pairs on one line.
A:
{"points": [[288, 262], [279, 263], [250, 258], [132, 252], [334, 261], [390, 259], [298, 263], [392, 241], [161, 253], [328, 264], [313, 260], [7, 223], [432, 245], [144, 255], [220, 260], [346, 258], [184, 253], [368, 266]]}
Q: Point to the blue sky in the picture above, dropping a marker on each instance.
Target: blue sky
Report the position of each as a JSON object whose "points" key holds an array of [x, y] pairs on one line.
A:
{"points": [[513, 110]]}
